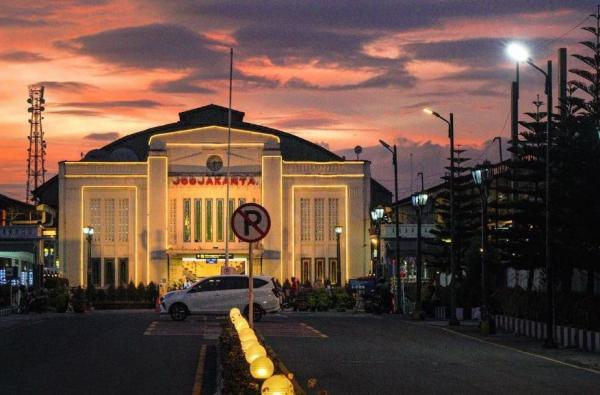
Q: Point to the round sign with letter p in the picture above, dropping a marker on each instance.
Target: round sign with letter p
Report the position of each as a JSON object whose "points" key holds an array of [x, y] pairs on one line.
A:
{"points": [[250, 222]]}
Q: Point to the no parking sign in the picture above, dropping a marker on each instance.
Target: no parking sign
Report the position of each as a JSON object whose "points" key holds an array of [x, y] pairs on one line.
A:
{"points": [[250, 222]]}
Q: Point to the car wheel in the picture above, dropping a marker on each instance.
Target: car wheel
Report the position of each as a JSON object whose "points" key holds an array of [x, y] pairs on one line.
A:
{"points": [[178, 312], [257, 314]]}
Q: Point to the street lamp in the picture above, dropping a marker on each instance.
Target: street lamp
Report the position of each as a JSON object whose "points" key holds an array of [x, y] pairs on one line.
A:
{"points": [[419, 200], [481, 177], [521, 56], [88, 231], [338, 233], [398, 298], [377, 216], [450, 122]]}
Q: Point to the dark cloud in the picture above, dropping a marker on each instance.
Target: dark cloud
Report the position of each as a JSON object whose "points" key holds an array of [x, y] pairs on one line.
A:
{"points": [[305, 122], [382, 15], [78, 113], [105, 136], [67, 86], [113, 104], [22, 56], [150, 46], [182, 85], [390, 78], [21, 22]]}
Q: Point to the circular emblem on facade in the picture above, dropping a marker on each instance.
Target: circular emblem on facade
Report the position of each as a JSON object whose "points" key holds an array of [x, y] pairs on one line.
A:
{"points": [[214, 163]]}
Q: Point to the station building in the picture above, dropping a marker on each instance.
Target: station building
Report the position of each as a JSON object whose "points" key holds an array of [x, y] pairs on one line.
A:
{"points": [[156, 200]]}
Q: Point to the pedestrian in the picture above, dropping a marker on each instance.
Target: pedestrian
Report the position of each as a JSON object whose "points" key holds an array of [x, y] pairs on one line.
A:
{"points": [[294, 288]]}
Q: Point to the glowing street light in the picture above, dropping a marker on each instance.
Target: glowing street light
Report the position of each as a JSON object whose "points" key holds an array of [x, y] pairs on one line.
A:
{"points": [[518, 52]]}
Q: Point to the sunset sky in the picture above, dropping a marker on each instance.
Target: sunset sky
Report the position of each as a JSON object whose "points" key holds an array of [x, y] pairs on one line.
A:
{"points": [[339, 73]]}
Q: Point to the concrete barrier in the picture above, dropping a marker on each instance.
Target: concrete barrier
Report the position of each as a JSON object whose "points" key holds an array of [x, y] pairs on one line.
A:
{"points": [[564, 336]]}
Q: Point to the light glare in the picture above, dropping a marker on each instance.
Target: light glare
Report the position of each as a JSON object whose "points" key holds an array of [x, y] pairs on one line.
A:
{"points": [[517, 52]]}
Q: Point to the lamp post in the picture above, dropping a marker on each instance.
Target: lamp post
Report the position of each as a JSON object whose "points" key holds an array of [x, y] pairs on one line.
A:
{"points": [[398, 299], [419, 200], [523, 55], [88, 231], [377, 216], [450, 122], [481, 178], [338, 233]]}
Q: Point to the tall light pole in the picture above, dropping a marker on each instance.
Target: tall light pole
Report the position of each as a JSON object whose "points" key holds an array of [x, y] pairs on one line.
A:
{"points": [[398, 298], [523, 55], [338, 233], [88, 231], [419, 200], [450, 122], [481, 177], [377, 216]]}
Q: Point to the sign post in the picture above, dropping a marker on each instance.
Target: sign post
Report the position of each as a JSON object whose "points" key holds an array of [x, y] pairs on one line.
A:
{"points": [[250, 223]]}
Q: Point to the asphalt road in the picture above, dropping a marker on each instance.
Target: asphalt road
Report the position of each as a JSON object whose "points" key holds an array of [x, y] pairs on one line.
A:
{"points": [[102, 353], [386, 355]]}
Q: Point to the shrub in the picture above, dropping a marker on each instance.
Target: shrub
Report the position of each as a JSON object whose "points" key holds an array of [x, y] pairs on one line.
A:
{"points": [[58, 299], [131, 292], [79, 301], [121, 293], [100, 295], [141, 291], [111, 292], [56, 282], [236, 374]]}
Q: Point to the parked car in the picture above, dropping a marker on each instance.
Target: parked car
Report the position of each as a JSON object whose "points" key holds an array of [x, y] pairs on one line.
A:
{"points": [[219, 294]]}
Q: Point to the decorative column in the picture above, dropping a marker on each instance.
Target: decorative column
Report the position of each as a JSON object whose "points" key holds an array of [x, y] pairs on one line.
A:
{"points": [[157, 195], [272, 200]]}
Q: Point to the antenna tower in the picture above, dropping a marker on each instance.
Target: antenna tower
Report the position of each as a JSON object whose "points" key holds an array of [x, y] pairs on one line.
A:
{"points": [[36, 153]]}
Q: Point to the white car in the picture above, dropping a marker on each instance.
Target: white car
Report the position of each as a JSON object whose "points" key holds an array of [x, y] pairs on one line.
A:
{"points": [[219, 294]]}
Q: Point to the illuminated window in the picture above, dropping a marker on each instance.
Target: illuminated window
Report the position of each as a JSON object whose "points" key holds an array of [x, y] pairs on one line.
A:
{"points": [[230, 210], [109, 217], [172, 221], [123, 271], [333, 270], [320, 220], [197, 220], [304, 219], [209, 220], [320, 269], [109, 271], [220, 228], [187, 220], [333, 218], [305, 274], [123, 219], [96, 218]]}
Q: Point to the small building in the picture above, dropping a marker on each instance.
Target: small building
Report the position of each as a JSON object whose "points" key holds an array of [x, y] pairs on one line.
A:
{"points": [[157, 202]]}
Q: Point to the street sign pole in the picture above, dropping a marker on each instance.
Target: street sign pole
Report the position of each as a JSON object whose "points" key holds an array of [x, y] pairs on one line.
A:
{"points": [[250, 287]]}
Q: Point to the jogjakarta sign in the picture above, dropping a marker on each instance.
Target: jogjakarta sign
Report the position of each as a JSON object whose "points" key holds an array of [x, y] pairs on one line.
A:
{"points": [[210, 180]]}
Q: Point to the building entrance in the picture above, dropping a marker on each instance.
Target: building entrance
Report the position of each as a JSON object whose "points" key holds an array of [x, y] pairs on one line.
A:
{"points": [[186, 269]]}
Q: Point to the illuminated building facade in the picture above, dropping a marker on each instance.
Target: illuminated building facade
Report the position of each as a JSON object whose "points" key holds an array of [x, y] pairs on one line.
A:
{"points": [[157, 202]]}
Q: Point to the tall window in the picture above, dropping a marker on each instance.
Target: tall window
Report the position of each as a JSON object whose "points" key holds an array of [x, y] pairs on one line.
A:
{"points": [[187, 220], [220, 229], [172, 221], [123, 219], [320, 269], [109, 271], [305, 274], [304, 219], [333, 270], [123, 271], [209, 220], [197, 220], [96, 271], [319, 220], [230, 210], [96, 217], [109, 216], [333, 217]]}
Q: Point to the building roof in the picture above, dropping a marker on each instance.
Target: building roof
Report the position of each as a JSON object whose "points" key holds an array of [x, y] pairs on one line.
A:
{"points": [[134, 147]]}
